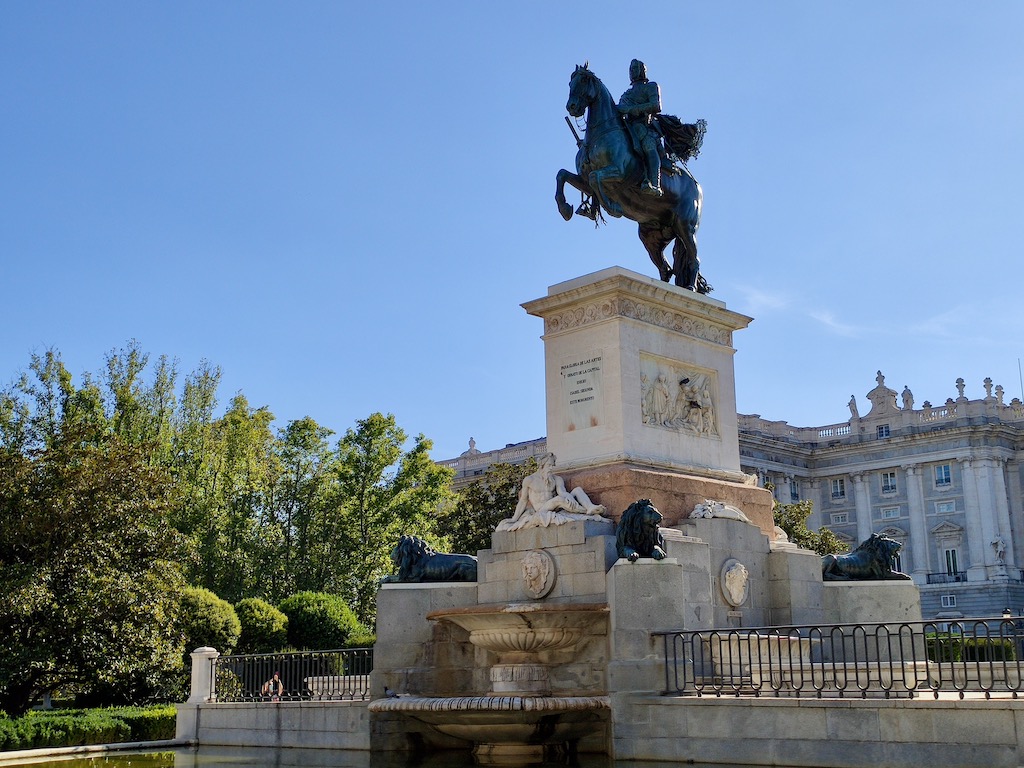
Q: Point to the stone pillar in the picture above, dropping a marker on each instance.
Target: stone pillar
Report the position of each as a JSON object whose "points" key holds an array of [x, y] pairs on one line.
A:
{"points": [[862, 500], [920, 545], [203, 689], [977, 543], [622, 353], [818, 518], [1002, 509]]}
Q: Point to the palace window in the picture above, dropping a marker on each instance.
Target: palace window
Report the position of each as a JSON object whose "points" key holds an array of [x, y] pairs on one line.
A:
{"points": [[889, 513], [897, 562], [945, 507], [952, 558], [948, 601], [883, 431], [943, 477], [838, 488], [888, 482], [840, 518]]}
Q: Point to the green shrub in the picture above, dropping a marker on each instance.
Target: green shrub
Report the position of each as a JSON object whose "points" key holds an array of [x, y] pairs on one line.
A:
{"points": [[362, 638], [264, 628], [74, 727], [989, 649], [63, 728], [206, 620], [148, 723], [319, 621], [957, 648]]}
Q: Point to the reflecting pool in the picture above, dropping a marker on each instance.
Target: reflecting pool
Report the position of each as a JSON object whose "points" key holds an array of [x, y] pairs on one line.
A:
{"points": [[261, 757]]}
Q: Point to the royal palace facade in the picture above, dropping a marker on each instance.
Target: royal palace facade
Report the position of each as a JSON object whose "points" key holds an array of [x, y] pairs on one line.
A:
{"points": [[945, 480]]}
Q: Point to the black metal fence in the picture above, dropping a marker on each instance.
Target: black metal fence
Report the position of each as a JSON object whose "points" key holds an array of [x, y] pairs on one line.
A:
{"points": [[295, 676], [980, 656]]}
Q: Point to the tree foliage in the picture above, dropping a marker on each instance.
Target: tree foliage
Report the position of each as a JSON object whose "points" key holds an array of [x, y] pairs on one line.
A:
{"points": [[483, 504], [792, 518], [120, 487], [207, 620], [318, 620], [87, 559], [264, 627]]}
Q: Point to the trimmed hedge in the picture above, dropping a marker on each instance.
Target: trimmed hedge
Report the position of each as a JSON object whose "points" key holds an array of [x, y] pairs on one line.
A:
{"points": [[207, 620], [74, 727], [264, 628], [956, 648], [319, 621]]}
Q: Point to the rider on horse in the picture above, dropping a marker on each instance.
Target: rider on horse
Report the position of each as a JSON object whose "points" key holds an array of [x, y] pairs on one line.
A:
{"points": [[638, 105]]}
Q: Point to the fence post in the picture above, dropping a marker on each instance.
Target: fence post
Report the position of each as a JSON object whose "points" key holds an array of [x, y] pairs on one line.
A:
{"points": [[202, 675]]}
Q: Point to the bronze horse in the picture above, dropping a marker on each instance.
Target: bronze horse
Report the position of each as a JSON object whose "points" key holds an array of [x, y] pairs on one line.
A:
{"points": [[608, 171]]}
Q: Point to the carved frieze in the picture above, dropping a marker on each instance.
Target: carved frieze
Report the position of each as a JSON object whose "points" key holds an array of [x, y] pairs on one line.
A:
{"points": [[638, 310]]}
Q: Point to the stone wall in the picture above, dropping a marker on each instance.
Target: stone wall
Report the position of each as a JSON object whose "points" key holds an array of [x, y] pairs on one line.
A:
{"points": [[816, 732]]}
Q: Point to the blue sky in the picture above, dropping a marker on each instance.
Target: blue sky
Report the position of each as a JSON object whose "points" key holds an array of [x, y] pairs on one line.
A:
{"points": [[343, 206]]}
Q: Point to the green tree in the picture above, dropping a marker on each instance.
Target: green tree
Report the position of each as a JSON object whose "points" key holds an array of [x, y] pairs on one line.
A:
{"points": [[483, 504], [381, 493], [792, 518], [91, 588]]}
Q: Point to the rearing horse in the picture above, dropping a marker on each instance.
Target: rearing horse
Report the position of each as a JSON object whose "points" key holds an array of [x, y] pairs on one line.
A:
{"points": [[608, 171]]}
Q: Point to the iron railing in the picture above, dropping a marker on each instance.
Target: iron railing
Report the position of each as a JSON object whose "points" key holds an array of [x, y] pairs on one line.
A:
{"points": [[947, 578], [982, 656], [295, 676]]}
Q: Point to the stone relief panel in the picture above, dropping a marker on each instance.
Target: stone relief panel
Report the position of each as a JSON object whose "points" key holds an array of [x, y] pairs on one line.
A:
{"points": [[678, 397]]}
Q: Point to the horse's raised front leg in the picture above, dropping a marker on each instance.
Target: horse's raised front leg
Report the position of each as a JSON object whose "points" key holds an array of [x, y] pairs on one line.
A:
{"points": [[561, 178]]}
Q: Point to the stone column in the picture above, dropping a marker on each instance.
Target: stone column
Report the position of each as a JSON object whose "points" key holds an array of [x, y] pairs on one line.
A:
{"points": [[1002, 509], [202, 675], [977, 543], [819, 503], [862, 500], [918, 527]]}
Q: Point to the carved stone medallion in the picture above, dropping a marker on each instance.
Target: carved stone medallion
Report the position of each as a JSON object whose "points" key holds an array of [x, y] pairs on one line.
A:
{"points": [[734, 580], [538, 573]]}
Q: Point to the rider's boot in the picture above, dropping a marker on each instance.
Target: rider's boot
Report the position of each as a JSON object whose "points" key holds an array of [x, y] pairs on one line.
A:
{"points": [[652, 184]]}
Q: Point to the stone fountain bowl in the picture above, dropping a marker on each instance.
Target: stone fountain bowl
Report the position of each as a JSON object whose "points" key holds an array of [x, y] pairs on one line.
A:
{"points": [[525, 627]]}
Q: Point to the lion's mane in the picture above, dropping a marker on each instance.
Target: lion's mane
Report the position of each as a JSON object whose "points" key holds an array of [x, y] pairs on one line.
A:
{"points": [[638, 534], [417, 561], [871, 560]]}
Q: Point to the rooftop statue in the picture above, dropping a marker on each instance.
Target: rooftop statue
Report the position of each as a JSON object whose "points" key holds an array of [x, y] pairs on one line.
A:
{"points": [[631, 162]]}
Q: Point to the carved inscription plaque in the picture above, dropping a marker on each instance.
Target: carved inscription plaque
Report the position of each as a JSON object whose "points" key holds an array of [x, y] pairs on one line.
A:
{"points": [[582, 399]]}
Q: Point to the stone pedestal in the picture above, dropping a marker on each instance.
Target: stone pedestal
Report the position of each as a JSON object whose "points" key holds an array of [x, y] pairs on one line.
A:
{"points": [[639, 371], [871, 602]]}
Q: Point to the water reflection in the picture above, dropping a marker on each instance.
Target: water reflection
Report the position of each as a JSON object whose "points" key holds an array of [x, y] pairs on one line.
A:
{"points": [[264, 757]]}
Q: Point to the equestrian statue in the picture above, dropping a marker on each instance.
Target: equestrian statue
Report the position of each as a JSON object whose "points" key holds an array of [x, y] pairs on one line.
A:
{"points": [[631, 162]]}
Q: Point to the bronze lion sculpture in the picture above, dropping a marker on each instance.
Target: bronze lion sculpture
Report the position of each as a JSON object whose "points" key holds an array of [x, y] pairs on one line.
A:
{"points": [[417, 561], [871, 560], [638, 534]]}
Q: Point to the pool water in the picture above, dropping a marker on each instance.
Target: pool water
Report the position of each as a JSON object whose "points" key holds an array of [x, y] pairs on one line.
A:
{"points": [[270, 757]]}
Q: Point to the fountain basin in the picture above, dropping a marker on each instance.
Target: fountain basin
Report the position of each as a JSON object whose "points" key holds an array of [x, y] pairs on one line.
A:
{"points": [[525, 627], [506, 729]]}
